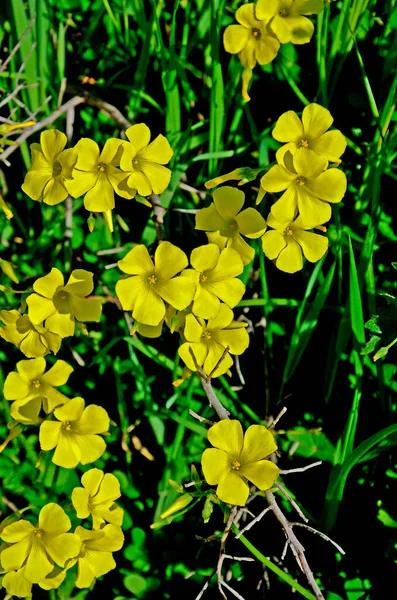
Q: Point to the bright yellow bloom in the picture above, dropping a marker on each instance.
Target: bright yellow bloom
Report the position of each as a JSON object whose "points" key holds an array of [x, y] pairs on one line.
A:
{"points": [[287, 242], [32, 338], [309, 188], [59, 305], [309, 134], [287, 20], [31, 388], [209, 341], [224, 216], [38, 548], [217, 279], [96, 498], [154, 282], [75, 434], [51, 167], [144, 163], [237, 458], [16, 584]]}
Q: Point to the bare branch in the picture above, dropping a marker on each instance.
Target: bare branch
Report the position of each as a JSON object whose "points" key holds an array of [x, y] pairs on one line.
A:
{"points": [[231, 590], [252, 523], [291, 501], [276, 420], [322, 535], [17, 45], [302, 469], [223, 547], [199, 418]]}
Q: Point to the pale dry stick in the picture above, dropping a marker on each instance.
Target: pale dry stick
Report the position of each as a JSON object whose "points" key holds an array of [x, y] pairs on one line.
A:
{"points": [[111, 110], [291, 501], [200, 418], [320, 533], [276, 420], [231, 590], [301, 469], [252, 523], [240, 558], [222, 358], [205, 587], [15, 92], [18, 44], [23, 63], [206, 383], [224, 537]]}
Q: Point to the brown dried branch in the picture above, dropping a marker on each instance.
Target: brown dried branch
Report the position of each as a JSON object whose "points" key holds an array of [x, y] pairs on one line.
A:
{"points": [[222, 550]]}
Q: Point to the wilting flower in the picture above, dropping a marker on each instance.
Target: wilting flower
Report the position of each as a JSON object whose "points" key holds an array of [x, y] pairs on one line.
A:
{"points": [[224, 216], [217, 279], [96, 498], [287, 20], [309, 134], [154, 282], [209, 341], [75, 434], [31, 388], [237, 458], [287, 242], [309, 188], [59, 305], [32, 338]]}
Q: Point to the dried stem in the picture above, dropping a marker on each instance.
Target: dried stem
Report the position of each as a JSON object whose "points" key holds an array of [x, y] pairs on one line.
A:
{"points": [[223, 547], [17, 45], [320, 533], [302, 469], [291, 501]]}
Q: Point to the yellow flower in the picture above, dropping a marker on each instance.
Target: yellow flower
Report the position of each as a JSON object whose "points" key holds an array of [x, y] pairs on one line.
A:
{"points": [[51, 167], [16, 584], [95, 175], [251, 40], [75, 434], [96, 498], [31, 388], [224, 216], [287, 20], [154, 282], [32, 338], [209, 341], [38, 548], [217, 279], [59, 305], [143, 163], [309, 188], [236, 459], [309, 134], [287, 242]]}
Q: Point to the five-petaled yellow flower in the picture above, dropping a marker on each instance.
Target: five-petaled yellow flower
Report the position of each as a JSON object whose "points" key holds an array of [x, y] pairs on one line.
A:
{"points": [[237, 459], [59, 305], [16, 584], [32, 338], [76, 434], [152, 283], [32, 388], [96, 498], [287, 20], [287, 242]]}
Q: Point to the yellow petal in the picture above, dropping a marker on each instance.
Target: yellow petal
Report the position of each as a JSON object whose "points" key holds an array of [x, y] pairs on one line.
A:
{"points": [[215, 464], [16, 387], [110, 150], [178, 292], [38, 564], [86, 309], [251, 223], [169, 260], [263, 473], [290, 259], [330, 186], [266, 49], [149, 308], [15, 584], [266, 9], [286, 207], [199, 350], [242, 248], [39, 308], [258, 443], [58, 374], [227, 435], [206, 304], [72, 411], [88, 155], [55, 191], [137, 261], [81, 183], [91, 448], [33, 345], [62, 548], [67, 453], [273, 242], [314, 246], [228, 202], [139, 181], [277, 179], [316, 120], [80, 283], [26, 411], [67, 160], [229, 291], [128, 290], [100, 197], [139, 136], [205, 258], [209, 219], [52, 142], [288, 127], [49, 434], [233, 489], [331, 145], [80, 501], [17, 532], [53, 519], [312, 211], [159, 151], [235, 37], [237, 340], [245, 15], [193, 329], [38, 176], [309, 164], [49, 284], [94, 419]]}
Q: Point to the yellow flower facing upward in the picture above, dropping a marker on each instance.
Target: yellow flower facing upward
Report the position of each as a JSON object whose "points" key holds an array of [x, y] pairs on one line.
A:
{"points": [[16, 584], [225, 217], [308, 188], [31, 388], [59, 305], [287, 242], [287, 20], [51, 167], [33, 339], [237, 459], [152, 283], [75, 434], [208, 342], [96, 498], [38, 548]]}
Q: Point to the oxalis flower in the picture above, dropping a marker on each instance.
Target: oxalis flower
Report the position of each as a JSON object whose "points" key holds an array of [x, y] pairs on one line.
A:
{"points": [[32, 388], [237, 459], [309, 188], [96, 498], [51, 167], [154, 282], [59, 305], [16, 584], [75, 434], [33, 339], [287, 242], [38, 548], [208, 342], [223, 216], [287, 20]]}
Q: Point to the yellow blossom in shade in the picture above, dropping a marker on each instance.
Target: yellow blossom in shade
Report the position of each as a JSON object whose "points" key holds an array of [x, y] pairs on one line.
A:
{"points": [[308, 188], [32, 388], [309, 134], [225, 217], [144, 163], [75, 434], [218, 281], [287, 20], [51, 167], [154, 282], [95, 175], [59, 305], [38, 548], [287, 242], [96, 498], [208, 341], [33, 339], [237, 459], [16, 584]]}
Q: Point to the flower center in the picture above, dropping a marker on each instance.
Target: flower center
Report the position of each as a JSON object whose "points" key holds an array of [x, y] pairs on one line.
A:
{"points": [[36, 383], [56, 168], [24, 324], [101, 167], [288, 231], [206, 335], [303, 144], [38, 532], [152, 279], [283, 12], [61, 302], [301, 180], [256, 32], [236, 465], [66, 425], [135, 162], [203, 278]]}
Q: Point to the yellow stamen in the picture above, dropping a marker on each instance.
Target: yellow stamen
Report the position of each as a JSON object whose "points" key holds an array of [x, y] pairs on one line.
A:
{"points": [[152, 279], [206, 335], [236, 465], [301, 180], [66, 425], [288, 231], [36, 383], [256, 32], [321, 228], [203, 278], [101, 168], [283, 12], [233, 225], [303, 144]]}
